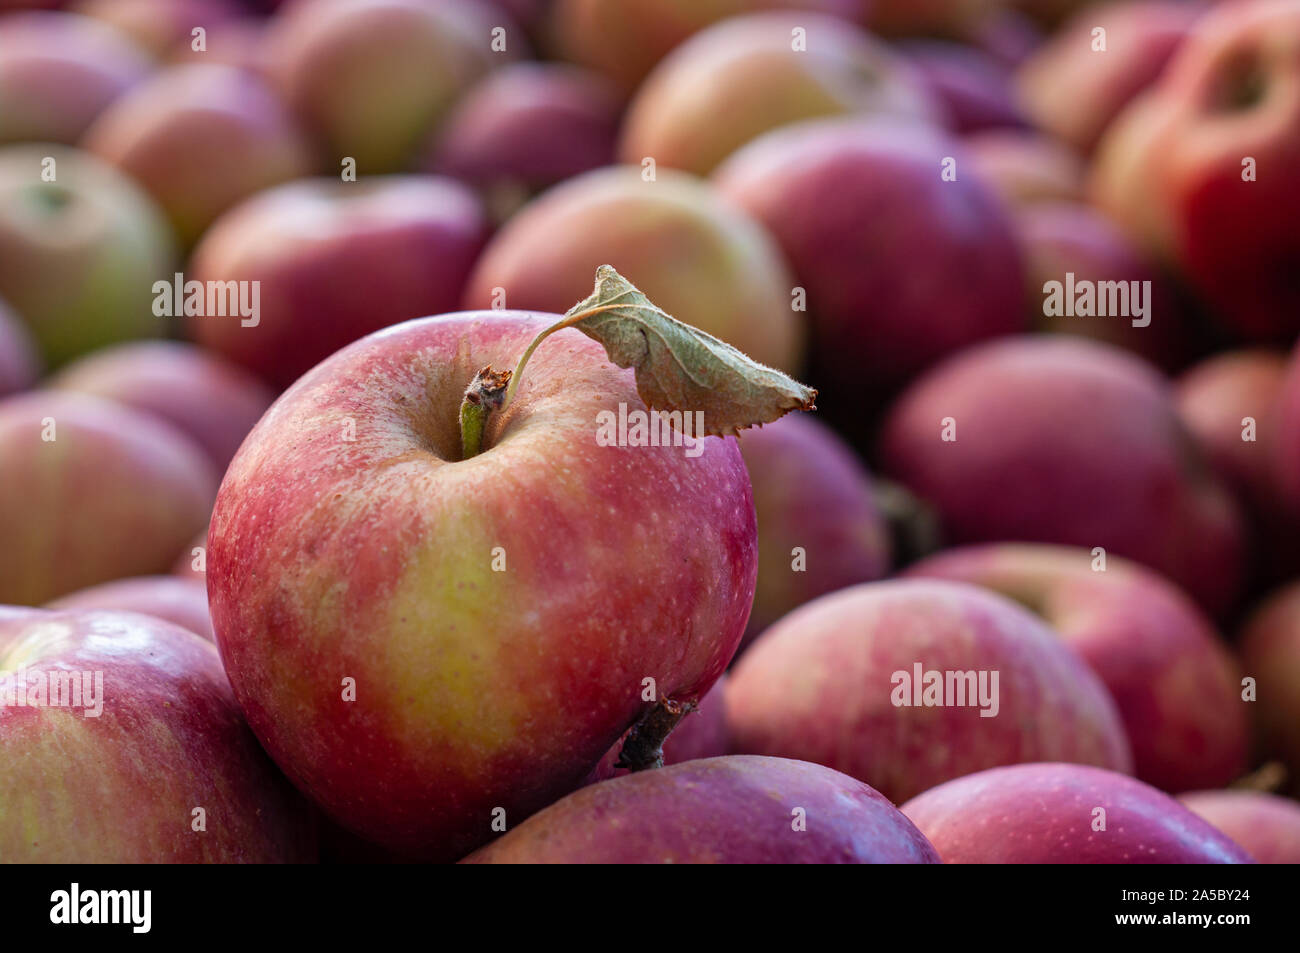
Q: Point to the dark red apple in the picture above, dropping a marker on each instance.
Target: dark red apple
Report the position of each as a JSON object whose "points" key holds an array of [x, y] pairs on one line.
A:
{"points": [[1266, 825]]}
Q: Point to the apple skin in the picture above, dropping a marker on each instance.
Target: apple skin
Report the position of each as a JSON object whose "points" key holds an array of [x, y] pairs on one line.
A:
{"points": [[19, 365], [415, 238], [182, 602], [625, 39], [1264, 824], [158, 25], [1026, 168], [1286, 446], [1064, 440], [58, 72], [371, 559], [1269, 644], [79, 256], [973, 88], [731, 810], [371, 79], [1178, 689], [214, 402], [1170, 168], [1044, 814], [701, 734], [1074, 92], [1070, 237], [695, 256], [731, 83], [810, 491], [115, 493], [900, 267], [818, 686], [200, 137], [170, 738]]}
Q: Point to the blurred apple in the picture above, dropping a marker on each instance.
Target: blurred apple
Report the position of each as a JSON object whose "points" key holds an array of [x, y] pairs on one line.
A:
{"points": [[846, 681], [200, 138], [1196, 167], [733, 810], [158, 25], [1025, 167], [1266, 825], [128, 778], [1058, 439], [414, 240], [701, 260], [945, 17], [1177, 687], [58, 71], [193, 560], [973, 89], [79, 254], [372, 79], [182, 602], [1064, 814], [748, 75], [92, 491], [1286, 443], [239, 42], [1270, 653], [19, 366]]}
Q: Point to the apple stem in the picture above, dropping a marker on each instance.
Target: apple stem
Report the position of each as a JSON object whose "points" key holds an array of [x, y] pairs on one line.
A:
{"points": [[484, 394], [567, 321], [914, 530], [644, 747]]}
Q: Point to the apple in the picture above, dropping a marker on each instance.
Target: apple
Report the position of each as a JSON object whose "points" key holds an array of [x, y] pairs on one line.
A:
{"points": [[624, 39], [701, 734], [1006, 34], [200, 138], [819, 528], [1266, 825], [58, 71], [1074, 90], [1177, 687], [1026, 167], [159, 25], [413, 238], [19, 366], [846, 681], [1269, 644], [193, 560], [1194, 167], [972, 86], [525, 127], [697, 257], [78, 255], [1057, 439], [17, 612], [235, 42], [732, 810], [92, 491], [182, 602], [1064, 814], [158, 768], [900, 267], [214, 402], [372, 79], [421, 640], [1070, 238], [745, 76]]}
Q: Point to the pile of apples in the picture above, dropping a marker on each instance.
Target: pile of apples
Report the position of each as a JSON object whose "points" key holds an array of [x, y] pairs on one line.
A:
{"points": [[327, 629]]}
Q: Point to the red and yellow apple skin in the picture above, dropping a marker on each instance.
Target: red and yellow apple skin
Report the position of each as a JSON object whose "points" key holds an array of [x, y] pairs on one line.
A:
{"points": [[349, 541], [122, 787], [1265, 824]]}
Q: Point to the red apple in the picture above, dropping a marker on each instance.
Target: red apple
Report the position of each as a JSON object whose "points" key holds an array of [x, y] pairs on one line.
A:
{"points": [[237, 42], [182, 602], [193, 560], [78, 255], [91, 491], [1286, 443], [1270, 654], [1196, 167], [733, 810], [158, 768], [1177, 687], [19, 366], [158, 25], [413, 238], [847, 681], [1025, 167], [701, 734], [819, 528], [972, 87], [200, 138], [1054, 814], [1058, 439], [211, 400], [498, 615], [695, 256], [1266, 825], [58, 71]]}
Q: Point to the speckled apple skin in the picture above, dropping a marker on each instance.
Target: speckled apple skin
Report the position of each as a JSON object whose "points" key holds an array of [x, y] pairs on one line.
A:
{"points": [[818, 685], [371, 559], [1045, 813], [732, 810], [1266, 825], [121, 787], [182, 602], [1177, 686]]}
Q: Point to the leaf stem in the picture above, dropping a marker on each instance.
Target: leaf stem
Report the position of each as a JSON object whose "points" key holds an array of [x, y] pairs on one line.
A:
{"points": [[567, 321]]}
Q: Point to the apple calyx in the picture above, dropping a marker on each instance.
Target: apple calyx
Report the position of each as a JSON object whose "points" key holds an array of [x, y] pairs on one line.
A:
{"points": [[485, 393], [644, 746]]}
